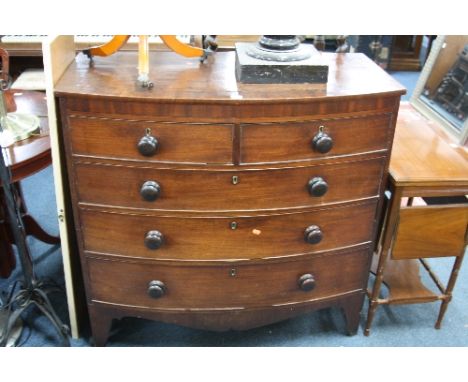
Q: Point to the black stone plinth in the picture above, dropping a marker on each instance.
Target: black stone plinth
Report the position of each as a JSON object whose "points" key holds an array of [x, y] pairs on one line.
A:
{"points": [[251, 70]]}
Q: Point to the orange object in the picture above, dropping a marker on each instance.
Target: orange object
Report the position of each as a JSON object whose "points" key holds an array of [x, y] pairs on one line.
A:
{"points": [[109, 48], [119, 40], [181, 48]]}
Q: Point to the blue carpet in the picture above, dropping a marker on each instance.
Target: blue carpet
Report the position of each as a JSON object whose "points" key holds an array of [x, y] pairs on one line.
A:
{"points": [[408, 80], [406, 325]]}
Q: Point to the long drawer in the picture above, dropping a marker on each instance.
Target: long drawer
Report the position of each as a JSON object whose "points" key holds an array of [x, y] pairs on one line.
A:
{"points": [[176, 142], [276, 142], [228, 190], [208, 238], [185, 287]]}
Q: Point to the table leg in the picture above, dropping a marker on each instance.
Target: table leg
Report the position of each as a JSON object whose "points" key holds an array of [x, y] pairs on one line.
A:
{"points": [[31, 226], [387, 231], [448, 291]]}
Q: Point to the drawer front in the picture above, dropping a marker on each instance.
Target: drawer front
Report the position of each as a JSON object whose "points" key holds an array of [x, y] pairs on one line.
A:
{"points": [[430, 231], [293, 141], [206, 238], [176, 142], [226, 286], [218, 190]]}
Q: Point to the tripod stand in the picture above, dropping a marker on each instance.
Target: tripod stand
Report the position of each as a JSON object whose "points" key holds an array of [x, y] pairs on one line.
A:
{"points": [[32, 291]]}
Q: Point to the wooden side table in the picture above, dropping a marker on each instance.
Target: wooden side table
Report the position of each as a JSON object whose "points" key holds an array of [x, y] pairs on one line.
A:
{"points": [[25, 158], [424, 163]]}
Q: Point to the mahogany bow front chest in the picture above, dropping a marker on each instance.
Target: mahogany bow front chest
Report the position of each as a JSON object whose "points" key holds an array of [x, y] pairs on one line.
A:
{"points": [[218, 205]]}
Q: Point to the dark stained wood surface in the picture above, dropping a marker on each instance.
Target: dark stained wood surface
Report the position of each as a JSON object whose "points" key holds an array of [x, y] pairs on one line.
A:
{"points": [[102, 315], [276, 142], [234, 205], [205, 189], [30, 155], [180, 79], [190, 143], [155, 110], [228, 286], [212, 238]]}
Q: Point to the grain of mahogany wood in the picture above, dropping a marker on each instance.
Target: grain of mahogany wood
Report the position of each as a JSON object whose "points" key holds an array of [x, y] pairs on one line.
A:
{"points": [[237, 286], [208, 238], [424, 155], [233, 171], [177, 79], [432, 231], [292, 141], [192, 189], [177, 142]]}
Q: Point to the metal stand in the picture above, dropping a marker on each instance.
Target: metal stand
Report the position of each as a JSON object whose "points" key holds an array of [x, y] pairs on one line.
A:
{"points": [[15, 332], [31, 290]]}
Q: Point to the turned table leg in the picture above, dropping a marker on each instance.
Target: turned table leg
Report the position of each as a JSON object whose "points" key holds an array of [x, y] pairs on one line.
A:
{"points": [[449, 289]]}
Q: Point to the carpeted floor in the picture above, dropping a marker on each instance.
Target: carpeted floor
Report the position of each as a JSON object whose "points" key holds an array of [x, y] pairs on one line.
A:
{"points": [[407, 325]]}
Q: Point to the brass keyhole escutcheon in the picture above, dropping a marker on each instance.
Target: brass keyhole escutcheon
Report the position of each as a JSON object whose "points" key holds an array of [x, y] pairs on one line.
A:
{"points": [[148, 131], [235, 179], [232, 272], [233, 225]]}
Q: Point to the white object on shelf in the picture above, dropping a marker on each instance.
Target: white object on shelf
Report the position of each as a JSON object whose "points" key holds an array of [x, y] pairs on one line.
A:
{"points": [[30, 79]]}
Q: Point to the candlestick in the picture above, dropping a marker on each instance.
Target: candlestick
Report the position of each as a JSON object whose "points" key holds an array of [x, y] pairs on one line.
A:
{"points": [[143, 61]]}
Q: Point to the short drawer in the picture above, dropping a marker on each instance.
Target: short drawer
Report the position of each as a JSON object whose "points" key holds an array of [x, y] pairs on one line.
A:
{"points": [[232, 286], [211, 238], [283, 142], [172, 189], [175, 142]]}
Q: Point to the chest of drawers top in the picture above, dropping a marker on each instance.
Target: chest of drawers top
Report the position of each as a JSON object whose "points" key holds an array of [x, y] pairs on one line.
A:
{"points": [[204, 197], [353, 78]]}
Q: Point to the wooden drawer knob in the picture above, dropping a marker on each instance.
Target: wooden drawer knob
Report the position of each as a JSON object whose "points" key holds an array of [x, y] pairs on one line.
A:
{"points": [[150, 191], [147, 145], [156, 289], [322, 142], [317, 186], [306, 282], [313, 234], [154, 239]]}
